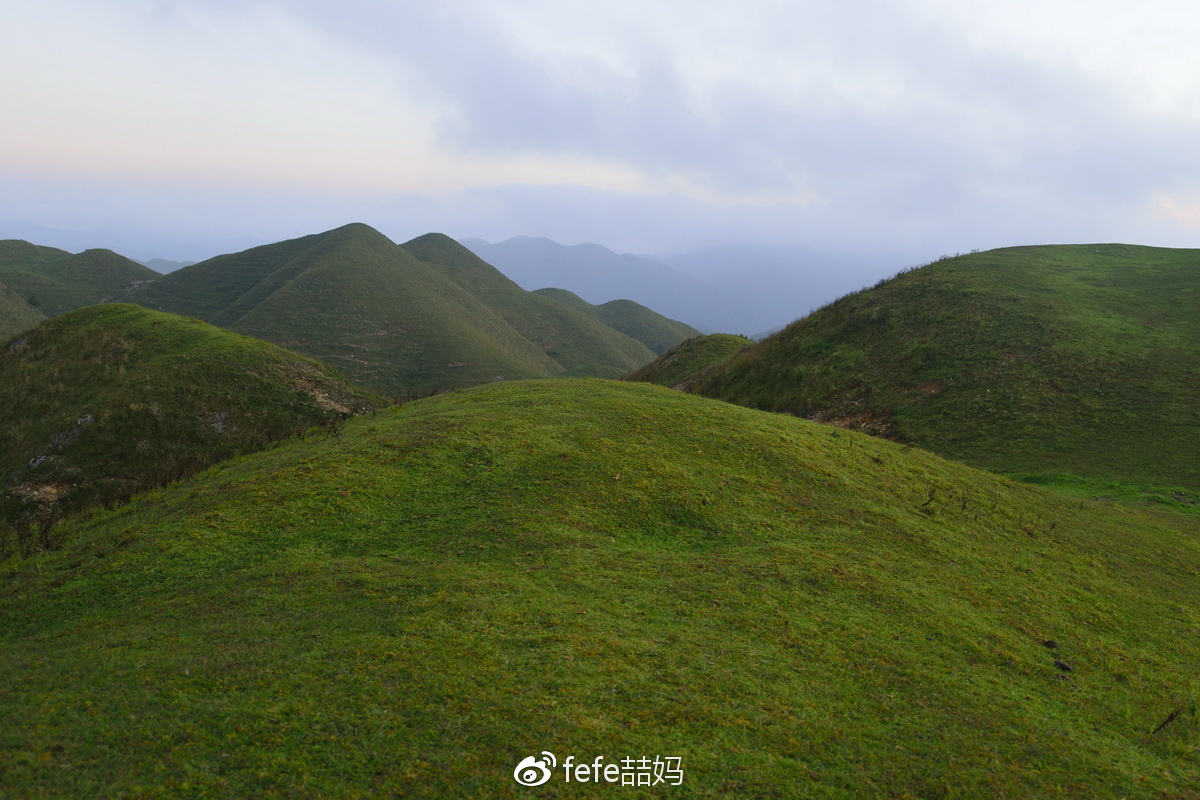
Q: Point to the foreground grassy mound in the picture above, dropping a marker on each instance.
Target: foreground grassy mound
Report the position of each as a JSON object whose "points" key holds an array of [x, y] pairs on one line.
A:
{"points": [[681, 366], [54, 281], [609, 569], [1069, 359], [109, 400]]}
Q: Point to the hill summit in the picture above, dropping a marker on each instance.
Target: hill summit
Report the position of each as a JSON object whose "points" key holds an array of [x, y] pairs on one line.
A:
{"points": [[393, 318], [1076, 359], [107, 401]]}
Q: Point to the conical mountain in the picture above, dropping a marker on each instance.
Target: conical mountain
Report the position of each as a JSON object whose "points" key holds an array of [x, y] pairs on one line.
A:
{"points": [[109, 400], [756, 605], [1083, 360], [358, 302], [54, 281], [390, 321], [575, 339], [632, 319]]}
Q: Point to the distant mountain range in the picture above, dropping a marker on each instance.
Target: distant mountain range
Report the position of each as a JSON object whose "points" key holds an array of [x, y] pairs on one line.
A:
{"points": [[746, 289]]}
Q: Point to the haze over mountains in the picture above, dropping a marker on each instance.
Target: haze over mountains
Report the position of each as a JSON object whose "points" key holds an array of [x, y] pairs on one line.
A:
{"points": [[748, 289]]}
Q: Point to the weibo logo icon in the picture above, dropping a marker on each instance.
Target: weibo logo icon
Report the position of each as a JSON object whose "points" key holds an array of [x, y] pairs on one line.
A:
{"points": [[532, 771]]}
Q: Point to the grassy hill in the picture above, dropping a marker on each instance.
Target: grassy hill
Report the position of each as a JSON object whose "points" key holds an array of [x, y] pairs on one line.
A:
{"points": [[632, 319], [681, 366], [105, 401], [385, 318], [354, 300], [597, 568], [55, 281], [15, 313], [1081, 360], [572, 337]]}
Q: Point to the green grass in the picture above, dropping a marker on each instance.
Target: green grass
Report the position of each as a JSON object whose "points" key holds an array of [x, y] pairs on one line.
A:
{"points": [[603, 568], [397, 321], [15, 312], [55, 281], [650, 328], [572, 337], [1063, 359], [681, 366], [106, 401]]}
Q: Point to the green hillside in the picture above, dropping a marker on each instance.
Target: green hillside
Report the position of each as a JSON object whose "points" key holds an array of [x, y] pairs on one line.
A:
{"points": [[632, 319], [1081, 360], [603, 569], [109, 400], [573, 338], [15, 313], [681, 366], [55, 281], [356, 301]]}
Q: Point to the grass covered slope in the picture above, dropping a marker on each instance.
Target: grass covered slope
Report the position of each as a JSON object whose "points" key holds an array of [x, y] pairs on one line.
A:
{"points": [[632, 319], [1065, 359], [109, 400], [576, 340], [603, 569], [55, 281], [681, 366], [15, 313], [356, 301]]}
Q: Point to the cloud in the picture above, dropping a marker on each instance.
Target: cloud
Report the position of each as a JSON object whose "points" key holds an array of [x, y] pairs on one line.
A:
{"points": [[924, 123]]}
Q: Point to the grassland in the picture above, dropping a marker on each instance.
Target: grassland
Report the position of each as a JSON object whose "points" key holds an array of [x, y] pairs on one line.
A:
{"points": [[632, 319], [397, 321], [681, 366], [1048, 362], [54, 281], [15, 312], [106, 401], [603, 568], [574, 339]]}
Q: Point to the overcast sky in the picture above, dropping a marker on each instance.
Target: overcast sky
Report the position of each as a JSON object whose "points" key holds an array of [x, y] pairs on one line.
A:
{"points": [[885, 130]]}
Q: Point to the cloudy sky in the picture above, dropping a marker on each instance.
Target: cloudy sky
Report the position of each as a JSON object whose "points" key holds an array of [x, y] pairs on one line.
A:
{"points": [[889, 131]]}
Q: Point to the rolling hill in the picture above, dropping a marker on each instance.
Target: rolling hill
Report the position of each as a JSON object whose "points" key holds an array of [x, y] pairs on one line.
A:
{"points": [[55, 281], [603, 569], [632, 319], [106, 401], [578, 341], [681, 366], [388, 320], [1041, 361]]}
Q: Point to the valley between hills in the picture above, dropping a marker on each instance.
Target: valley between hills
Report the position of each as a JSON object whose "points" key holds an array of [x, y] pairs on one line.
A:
{"points": [[338, 517]]}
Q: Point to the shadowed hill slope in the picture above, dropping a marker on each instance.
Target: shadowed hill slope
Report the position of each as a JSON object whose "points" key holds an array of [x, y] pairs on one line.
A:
{"points": [[573, 338], [1059, 359], [632, 319], [608, 569], [390, 321], [356, 301], [55, 281], [681, 366], [15, 313], [109, 400]]}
